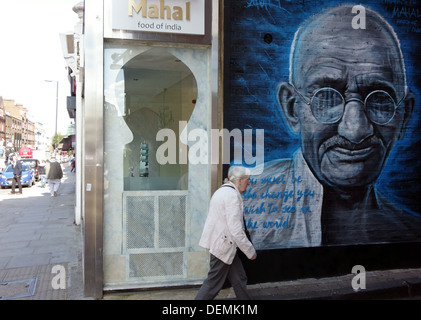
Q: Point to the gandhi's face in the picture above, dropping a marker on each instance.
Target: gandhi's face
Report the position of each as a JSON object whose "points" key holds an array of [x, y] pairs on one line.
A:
{"points": [[352, 151]]}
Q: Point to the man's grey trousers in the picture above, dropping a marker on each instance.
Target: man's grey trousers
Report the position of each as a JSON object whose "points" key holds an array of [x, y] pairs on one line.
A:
{"points": [[218, 272]]}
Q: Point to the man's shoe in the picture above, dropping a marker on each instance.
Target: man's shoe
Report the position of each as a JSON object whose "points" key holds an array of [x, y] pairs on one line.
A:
{"points": [[11, 193]]}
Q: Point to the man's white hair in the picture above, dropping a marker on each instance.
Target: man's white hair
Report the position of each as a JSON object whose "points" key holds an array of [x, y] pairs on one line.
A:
{"points": [[237, 172]]}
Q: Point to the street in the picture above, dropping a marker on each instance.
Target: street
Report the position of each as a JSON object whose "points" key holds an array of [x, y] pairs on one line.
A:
{"points": [[40, 243]]}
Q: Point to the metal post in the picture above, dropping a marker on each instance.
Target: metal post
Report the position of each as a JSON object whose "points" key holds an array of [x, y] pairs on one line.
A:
{"points": [[93, 173], [55, 131]]}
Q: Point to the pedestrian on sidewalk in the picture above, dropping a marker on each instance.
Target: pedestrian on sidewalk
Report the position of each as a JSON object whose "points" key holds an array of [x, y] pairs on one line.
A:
{"points": [[73, 163], [223, 233], [54, 175], [42, 173], [17, 173]]}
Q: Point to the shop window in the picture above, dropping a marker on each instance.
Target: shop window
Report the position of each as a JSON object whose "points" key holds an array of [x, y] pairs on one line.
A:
{"points": [[160, 93]]}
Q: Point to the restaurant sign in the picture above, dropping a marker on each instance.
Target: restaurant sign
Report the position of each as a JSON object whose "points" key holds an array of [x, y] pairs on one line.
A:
{"points": [[167, 16]]}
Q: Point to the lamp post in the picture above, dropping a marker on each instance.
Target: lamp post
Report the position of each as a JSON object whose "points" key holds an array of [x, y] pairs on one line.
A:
{"points": [[55, 131]]}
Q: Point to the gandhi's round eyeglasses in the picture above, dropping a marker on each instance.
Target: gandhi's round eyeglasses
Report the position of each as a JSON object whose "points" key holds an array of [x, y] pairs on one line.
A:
{"points": [[328, 105]]}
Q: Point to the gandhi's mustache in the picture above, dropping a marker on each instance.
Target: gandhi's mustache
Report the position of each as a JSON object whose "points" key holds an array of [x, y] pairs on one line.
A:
{"points": [[341, 142]]}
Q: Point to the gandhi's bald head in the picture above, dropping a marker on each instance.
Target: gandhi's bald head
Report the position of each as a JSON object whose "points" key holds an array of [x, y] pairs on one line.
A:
{"points": [[330, 35]]}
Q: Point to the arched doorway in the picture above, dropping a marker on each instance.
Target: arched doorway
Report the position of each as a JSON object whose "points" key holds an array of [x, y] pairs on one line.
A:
{"points": [[160, 92], [154, 212]]}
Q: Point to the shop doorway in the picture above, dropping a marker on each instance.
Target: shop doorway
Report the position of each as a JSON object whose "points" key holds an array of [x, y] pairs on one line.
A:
{"points": [[153, 211]]}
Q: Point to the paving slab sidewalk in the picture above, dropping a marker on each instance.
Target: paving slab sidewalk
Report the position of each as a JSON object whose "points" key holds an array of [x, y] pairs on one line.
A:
{"points": [[38, 239]]}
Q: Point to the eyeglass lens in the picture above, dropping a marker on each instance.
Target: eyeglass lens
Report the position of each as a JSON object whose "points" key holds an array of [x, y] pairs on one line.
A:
{"points": [[328, 106]]}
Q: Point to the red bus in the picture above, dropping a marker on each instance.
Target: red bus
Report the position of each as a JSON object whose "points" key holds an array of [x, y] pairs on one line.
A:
{"points": [[25, 152]]}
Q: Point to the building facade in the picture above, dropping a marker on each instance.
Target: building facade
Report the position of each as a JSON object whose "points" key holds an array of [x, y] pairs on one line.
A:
{"points": [[28, 130], [19, 128], [42, 140], [2, 132], [158, 84], [13, 125]]}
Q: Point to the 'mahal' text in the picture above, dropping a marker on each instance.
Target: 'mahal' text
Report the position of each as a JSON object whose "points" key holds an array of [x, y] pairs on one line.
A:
{"points": [[160, 11]]}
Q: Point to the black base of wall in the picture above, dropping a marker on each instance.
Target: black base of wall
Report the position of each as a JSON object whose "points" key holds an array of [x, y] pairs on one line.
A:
{"points": [[328, 261]]}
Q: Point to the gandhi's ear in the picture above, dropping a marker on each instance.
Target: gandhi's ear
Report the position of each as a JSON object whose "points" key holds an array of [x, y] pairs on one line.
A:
{"points": [[408, 105], [286, 100]]}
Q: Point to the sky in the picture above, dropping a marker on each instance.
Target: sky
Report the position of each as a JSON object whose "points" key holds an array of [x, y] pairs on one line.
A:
{"points": [[31, 52]]}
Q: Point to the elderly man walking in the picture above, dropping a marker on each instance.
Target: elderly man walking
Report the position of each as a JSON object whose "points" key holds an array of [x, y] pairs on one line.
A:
{"points": [[54, 175], [223, 234]]}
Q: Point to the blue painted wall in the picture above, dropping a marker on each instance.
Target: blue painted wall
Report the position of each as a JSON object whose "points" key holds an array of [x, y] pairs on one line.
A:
{"points": [[258, 38]]}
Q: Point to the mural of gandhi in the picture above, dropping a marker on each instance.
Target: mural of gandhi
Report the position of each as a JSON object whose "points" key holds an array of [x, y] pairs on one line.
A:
{"points": [[348, 99]]}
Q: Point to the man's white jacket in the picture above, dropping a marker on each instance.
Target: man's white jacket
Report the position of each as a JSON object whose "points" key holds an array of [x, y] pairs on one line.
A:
{"points": [[224, 227]]}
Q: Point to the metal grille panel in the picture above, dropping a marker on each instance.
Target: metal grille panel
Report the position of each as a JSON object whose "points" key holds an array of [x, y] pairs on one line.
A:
{"points": [[140, 222], [172, 221], [156, 264]]}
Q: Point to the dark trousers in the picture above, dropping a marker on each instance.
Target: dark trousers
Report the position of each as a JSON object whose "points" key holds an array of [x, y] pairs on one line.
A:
{"points": [[218, 272], [16, 179]]}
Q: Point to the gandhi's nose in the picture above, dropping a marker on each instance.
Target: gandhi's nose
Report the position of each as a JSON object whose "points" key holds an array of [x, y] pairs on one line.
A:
{"points": [[354, 125]]}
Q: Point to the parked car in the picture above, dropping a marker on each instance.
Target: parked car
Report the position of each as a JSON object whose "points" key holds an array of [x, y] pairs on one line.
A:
{"points": [[27, 178], [34, 164]]}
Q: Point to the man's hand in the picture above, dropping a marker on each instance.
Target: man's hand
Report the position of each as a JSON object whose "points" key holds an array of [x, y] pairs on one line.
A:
{"points": [[254, 257]]}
